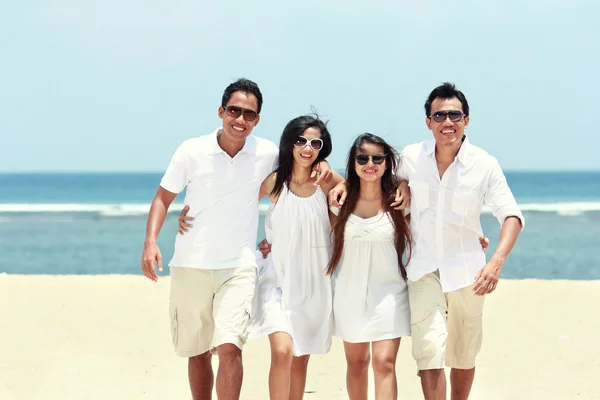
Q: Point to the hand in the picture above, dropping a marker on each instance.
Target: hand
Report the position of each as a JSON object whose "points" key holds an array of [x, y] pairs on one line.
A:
{"points": [[323, 173], [487, 278], [264, 247], [183, 219], [151, 255], [337, 195], [402, 199], [485, 242]]}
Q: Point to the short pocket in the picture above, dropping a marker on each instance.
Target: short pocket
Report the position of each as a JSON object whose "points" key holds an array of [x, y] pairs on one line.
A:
{"points": [[174, 324], [422, 345], [471, 334]]}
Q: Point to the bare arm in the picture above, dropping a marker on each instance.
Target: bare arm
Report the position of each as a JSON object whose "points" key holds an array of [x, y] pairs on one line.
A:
{"points": [[511, 228], [156, 217], [402, 200], [335, 179], [267, 186], [323, 172], [504, 207], [487, 278]]}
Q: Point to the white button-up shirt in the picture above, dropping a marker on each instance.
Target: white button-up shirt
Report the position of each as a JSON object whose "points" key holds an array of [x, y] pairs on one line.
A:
{"points": [[445, 213], [222, 193]]}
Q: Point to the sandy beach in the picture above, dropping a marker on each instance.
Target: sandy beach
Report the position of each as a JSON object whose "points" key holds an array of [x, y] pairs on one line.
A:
{"points": [[107, 337]]}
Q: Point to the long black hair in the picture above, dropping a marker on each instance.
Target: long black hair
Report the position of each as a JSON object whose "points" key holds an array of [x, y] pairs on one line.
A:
{"points": [[389, 182], [292, 130]]}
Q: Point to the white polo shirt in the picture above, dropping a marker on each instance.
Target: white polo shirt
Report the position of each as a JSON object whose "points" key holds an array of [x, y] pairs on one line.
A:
{"points": [[222, 193], [445, 213]]}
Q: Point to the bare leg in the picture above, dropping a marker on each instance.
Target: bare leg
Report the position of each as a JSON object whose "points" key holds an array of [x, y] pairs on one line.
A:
{"points": [[281, 365], [384, 368], [201, 377], [433, 382], [461, 381], [230, 373], [299, 368], [357, 376]]}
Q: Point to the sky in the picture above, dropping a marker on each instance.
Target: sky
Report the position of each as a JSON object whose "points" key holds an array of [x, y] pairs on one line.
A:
{"points": [[117, 85]]}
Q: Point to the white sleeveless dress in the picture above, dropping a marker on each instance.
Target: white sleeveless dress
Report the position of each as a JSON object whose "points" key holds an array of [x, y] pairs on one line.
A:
{"points": [[370, 300], [293, 293]]}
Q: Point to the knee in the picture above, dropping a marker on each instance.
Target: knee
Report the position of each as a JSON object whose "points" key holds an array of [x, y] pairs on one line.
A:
{"points": [[281, 355], [358, 364], [201, 360], [229, 353], [383, 364]]}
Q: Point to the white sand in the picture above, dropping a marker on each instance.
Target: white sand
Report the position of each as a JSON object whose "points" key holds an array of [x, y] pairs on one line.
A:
{"points": [[107, 337]]}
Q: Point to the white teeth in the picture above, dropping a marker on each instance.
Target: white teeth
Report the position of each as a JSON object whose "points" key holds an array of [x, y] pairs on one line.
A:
{"points": [[237, 128]]}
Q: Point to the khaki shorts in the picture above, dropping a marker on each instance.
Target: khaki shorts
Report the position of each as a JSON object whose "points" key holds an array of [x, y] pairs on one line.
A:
{"points": [[446, 328], [210, 307]]}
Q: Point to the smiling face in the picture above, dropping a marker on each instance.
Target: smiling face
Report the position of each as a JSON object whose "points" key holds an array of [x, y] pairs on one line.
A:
{"points": [[237, 129], [370, 171], [447, 133], [306, 155]]}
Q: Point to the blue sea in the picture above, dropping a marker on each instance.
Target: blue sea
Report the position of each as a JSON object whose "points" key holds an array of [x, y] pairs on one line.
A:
{"points": [[95, 224]]}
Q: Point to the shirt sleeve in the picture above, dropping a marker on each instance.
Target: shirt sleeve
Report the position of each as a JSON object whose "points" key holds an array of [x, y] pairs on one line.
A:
{"points": [[260, 261], [499, 197], [175, 178], [401, 171], [335, 210]]}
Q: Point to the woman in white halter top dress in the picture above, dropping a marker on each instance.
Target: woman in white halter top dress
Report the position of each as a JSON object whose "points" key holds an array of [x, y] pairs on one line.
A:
{"points": [[293, 296], [371, 309], [293, 293]]}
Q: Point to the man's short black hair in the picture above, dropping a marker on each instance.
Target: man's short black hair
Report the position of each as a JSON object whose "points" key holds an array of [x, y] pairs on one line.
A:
{"points": [[242, 85], [446, 91]]}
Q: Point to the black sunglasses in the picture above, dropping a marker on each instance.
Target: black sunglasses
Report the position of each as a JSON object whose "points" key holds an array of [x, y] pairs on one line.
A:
{"points": [[235, 111], [315, 144], [440, 116], [363, 159]]}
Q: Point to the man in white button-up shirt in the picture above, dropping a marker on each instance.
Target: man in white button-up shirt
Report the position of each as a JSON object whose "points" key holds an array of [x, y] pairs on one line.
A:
{"points": [[448, 275]]}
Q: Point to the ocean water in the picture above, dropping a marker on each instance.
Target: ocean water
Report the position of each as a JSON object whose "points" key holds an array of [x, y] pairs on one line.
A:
{"points": [[95, 224]]}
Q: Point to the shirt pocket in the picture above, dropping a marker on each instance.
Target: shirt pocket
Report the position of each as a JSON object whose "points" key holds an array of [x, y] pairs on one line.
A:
{"points": [[464, 202], [419, 195]]}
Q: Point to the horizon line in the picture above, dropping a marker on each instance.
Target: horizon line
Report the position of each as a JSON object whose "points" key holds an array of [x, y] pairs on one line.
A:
{"points": [[66, 172]]}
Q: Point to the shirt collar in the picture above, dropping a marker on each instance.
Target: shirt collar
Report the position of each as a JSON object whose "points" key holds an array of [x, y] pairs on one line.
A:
{"points": [[463, 152], [249, 145]]}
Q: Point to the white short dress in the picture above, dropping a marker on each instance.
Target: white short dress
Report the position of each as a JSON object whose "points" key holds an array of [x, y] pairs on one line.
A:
{"points": [[293, 293], [370, 301]]}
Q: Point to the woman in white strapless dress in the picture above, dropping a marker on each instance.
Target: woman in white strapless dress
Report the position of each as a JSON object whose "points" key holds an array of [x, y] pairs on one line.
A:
{"points": [[371, 310], [293, 296]]}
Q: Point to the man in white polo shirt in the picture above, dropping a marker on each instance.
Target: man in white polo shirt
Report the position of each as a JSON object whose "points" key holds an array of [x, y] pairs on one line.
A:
{"points": [[213, 269], [449, 179]]}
